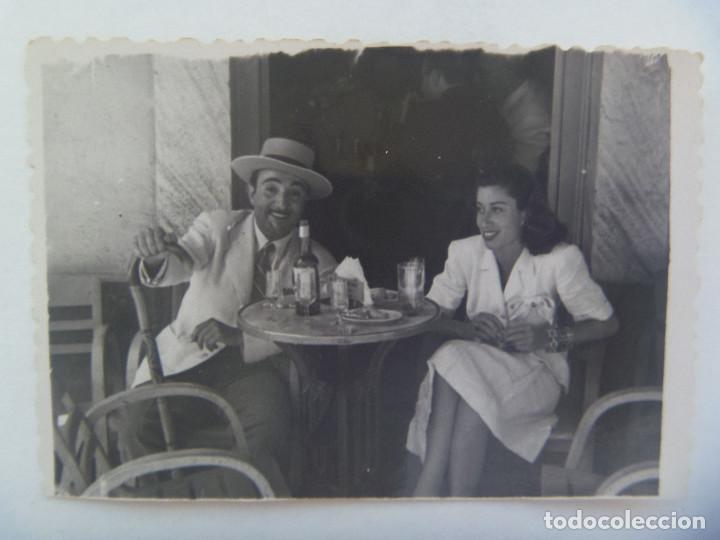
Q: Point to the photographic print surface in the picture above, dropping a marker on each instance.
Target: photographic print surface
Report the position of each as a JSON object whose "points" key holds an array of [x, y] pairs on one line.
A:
{"points": [[324, 407]]}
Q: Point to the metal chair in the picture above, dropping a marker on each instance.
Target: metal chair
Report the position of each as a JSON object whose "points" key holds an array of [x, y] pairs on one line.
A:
{"points": [[91, 467], [576, 477]]}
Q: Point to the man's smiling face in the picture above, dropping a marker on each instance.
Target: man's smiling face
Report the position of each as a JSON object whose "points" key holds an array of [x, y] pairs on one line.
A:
{"points": [[278, 199]]}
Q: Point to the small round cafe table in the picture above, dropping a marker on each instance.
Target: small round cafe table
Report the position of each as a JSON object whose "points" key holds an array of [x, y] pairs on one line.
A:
{"points": [[293, 333]]}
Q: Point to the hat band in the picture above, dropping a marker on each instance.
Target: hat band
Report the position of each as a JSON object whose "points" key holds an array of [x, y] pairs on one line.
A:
{"points": [[287, 160]]}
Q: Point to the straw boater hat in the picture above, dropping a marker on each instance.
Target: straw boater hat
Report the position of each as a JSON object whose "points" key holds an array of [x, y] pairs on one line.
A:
{"points": [[287, 156]]}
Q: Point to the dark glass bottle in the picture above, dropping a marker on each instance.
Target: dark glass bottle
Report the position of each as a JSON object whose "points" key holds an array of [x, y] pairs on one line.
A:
{"points": [[306, 278]]}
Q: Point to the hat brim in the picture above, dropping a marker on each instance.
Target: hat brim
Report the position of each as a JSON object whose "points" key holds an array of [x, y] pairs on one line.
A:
{"points": [[318, 186]]}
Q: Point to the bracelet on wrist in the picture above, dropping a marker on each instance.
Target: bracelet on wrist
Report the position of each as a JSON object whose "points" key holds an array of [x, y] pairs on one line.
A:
{"points": [[560, 338]]}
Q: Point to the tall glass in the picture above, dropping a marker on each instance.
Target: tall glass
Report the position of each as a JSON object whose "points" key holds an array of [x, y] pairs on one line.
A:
{"points": [[339, 294], [339, 299], [411, 285]]}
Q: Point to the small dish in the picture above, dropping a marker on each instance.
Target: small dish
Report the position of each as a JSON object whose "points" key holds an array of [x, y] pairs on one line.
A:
{"points": [[364, 315]]}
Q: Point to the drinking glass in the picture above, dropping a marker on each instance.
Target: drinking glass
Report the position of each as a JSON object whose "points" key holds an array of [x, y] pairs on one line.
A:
{"points": [[273, 290], [339, 295], [411, 284], [305, 292], [339, 299], [306, 302]]}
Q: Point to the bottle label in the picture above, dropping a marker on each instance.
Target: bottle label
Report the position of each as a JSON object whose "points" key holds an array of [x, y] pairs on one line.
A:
{"points": [[305, 284]]}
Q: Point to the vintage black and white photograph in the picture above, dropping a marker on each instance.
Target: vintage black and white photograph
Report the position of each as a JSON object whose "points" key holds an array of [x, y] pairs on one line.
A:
{"points": [[356, 271]]}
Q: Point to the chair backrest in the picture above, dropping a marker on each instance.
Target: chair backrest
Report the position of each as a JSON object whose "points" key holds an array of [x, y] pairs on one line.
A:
{"points": [[576, 476], [75, 315], [598, 409], [75, 311], [136, 350], [168, 390], [87, 469], [84, 350]]}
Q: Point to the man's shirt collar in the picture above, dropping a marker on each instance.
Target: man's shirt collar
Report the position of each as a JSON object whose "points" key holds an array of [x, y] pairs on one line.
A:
{"points": [[262, 240]]}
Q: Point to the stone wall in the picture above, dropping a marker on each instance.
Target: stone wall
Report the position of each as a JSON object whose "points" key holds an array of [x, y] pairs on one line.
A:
{"points": [[99, 161], [130, 141], [192, 138], [630, 221]]}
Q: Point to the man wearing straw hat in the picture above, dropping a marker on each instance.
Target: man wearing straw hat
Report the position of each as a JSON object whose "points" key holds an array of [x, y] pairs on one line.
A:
{"points": [[224, 256]]}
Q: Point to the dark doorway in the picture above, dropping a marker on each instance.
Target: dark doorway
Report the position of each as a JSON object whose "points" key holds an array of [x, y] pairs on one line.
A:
{"points": [[400, 153]]}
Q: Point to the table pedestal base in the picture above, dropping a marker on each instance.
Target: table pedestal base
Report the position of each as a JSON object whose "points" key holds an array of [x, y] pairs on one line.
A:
{"points": [[358, 406]]}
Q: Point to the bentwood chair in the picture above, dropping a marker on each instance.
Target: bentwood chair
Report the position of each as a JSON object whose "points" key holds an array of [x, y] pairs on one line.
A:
{"points": [[78, 337], [308, 398], [308, 395], [91, 467], [575, 476], [98, 442], [143, 346]]}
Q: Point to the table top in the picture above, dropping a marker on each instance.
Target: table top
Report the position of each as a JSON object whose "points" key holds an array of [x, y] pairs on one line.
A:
{"points": [[283, 325]]}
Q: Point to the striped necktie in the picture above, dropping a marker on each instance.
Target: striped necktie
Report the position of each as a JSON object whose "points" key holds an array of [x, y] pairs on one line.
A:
{"points": [[263, 263]]}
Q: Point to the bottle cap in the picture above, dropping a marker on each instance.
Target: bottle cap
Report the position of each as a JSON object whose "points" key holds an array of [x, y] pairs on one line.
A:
{"points": [[304, 228]]}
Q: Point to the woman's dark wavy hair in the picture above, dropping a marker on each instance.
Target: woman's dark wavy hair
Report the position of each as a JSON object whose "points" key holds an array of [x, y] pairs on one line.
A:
{"points": [[541, 231]]}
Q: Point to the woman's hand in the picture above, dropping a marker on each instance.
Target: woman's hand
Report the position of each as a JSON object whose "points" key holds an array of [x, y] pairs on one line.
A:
{"points": [[488, 328], [212, 333], [523, 337]]}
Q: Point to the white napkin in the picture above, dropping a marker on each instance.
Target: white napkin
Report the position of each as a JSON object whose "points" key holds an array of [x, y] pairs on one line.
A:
{"points": [[350, 268]]}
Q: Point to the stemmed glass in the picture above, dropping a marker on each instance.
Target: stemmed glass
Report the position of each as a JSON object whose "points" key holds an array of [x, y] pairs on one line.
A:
{"points": [[306, 300], [273, 291]]}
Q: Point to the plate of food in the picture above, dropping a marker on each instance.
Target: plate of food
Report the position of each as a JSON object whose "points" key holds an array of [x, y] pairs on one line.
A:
{"points": [[371, 315]]}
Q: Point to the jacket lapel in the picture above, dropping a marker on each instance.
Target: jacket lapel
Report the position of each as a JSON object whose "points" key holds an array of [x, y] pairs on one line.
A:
{"points": [[521, 277]]}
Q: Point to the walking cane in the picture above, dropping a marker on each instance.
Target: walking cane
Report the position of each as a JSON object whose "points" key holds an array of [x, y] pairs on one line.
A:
{"points": [[153, 358]]}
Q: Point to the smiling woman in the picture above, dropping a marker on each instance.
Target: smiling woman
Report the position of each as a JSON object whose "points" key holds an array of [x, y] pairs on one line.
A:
{"points": [[512, 214], [500, 223], [505, 373]]}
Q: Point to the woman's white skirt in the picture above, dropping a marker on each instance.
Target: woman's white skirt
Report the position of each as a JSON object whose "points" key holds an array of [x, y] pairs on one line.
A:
{"points": [[515, 394]]}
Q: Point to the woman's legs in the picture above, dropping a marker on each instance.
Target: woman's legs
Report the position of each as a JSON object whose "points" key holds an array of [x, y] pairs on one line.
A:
{"points": [[439, 436], [467, 451]]}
